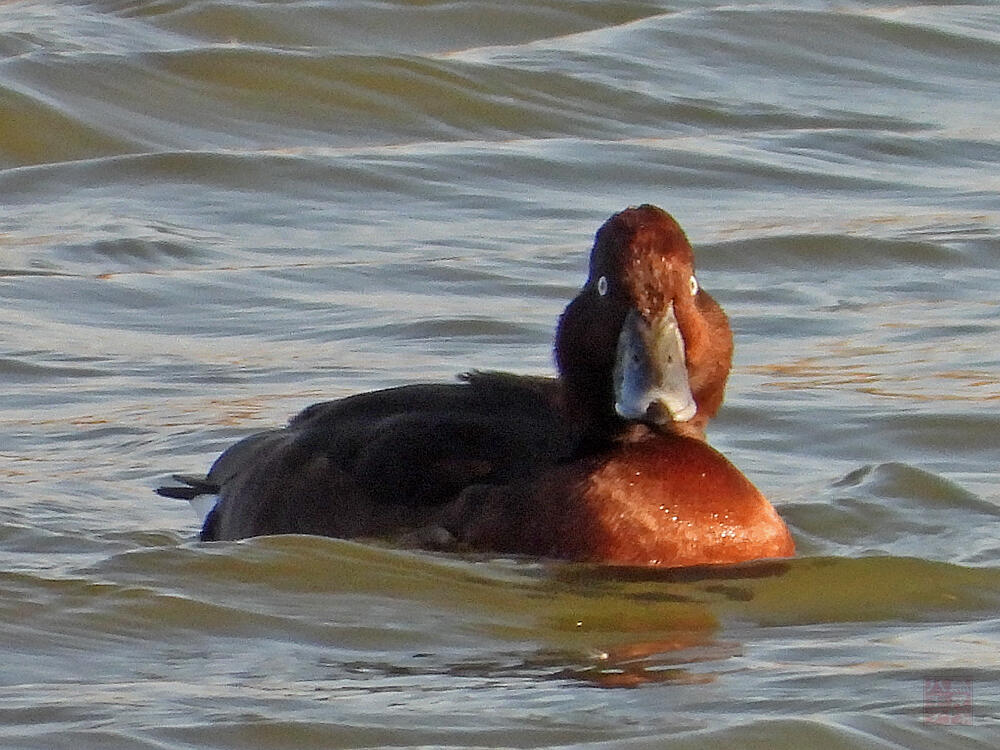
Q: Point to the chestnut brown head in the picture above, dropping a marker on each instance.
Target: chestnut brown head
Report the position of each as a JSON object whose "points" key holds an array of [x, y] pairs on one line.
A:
{"points": [[642, 341]]}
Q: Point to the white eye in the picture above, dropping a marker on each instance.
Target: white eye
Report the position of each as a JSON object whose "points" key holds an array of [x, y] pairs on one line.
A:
{"points": [[694, 285], [602, 286]]}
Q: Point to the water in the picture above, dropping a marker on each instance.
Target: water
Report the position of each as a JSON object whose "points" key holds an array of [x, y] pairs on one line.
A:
{"points": [[215, 213]]}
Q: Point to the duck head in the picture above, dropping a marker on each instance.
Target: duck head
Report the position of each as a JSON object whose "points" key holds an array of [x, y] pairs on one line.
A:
{"points": [[642, 341]]}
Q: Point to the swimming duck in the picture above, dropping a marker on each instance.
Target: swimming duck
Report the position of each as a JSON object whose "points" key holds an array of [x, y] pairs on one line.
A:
{"points": [[605, 463]]}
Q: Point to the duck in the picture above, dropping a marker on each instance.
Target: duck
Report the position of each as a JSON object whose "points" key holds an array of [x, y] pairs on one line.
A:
{"points": [[607, 462]]}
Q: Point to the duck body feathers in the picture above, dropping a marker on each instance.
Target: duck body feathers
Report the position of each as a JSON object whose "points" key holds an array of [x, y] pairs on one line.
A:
{"points": [[378, 462], [605, 463]]}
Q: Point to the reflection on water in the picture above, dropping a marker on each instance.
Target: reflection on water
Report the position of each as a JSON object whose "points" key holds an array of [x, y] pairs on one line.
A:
{"points": [[217, 213]]}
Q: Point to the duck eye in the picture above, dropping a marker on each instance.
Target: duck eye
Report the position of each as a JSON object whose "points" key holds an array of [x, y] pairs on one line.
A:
{"points": [[602, 285], [694, 285]]}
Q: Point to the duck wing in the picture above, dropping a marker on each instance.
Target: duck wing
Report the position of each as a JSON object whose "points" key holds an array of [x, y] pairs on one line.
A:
{"points": [[379, 462]]}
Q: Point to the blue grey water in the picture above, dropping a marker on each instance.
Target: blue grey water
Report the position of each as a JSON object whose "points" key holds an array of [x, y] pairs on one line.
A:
{"points": [[215, 212]]}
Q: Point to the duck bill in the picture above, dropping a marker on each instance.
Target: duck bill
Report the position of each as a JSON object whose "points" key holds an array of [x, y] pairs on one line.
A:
{"points": [[650, 374]]}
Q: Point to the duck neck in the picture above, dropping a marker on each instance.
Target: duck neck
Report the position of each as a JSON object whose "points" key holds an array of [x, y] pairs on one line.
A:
{"points": [[584, 354]]}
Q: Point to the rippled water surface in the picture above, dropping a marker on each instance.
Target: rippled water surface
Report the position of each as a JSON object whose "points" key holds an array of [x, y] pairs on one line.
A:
{"points": [[216, 212]]}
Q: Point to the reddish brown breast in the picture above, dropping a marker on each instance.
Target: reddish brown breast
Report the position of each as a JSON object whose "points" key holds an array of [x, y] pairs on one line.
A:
{"points": [[665, 500]]}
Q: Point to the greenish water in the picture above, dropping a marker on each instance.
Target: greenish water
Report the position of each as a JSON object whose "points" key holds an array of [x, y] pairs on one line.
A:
{"points": [[216, 213]]}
